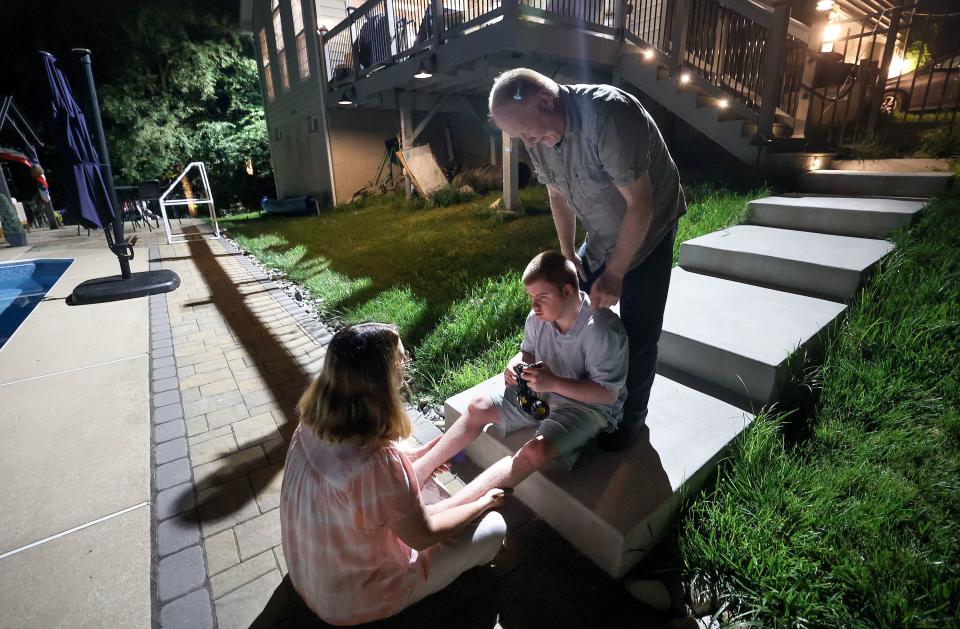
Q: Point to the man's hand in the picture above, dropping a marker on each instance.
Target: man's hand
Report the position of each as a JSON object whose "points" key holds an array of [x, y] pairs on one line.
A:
{"points": [[578, 263], [606, 290], [540, 379]]}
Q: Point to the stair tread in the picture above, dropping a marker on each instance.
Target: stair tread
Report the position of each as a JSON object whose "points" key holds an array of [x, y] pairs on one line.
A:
{"points": [[761, 324], [840, 203], [613, 506], [827, 250]]}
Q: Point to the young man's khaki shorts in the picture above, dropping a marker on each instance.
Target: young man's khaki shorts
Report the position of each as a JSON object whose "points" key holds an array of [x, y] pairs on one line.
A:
{"points": [[570, 426]]}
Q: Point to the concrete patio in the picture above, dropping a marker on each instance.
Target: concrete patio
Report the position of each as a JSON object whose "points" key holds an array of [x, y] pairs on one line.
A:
{"points": [[75, 453]]}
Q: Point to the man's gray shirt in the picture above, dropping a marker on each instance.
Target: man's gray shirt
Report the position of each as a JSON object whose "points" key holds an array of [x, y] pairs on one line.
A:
{"points": [[595, 347], [610, 141]]}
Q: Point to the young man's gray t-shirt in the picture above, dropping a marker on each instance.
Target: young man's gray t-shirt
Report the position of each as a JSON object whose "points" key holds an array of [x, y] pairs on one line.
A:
{"points": [[610, 141], [595, 348]]}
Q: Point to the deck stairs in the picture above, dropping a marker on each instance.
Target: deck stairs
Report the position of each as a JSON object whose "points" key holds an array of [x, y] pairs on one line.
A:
{"points": [[746, 305], [702, 68]]}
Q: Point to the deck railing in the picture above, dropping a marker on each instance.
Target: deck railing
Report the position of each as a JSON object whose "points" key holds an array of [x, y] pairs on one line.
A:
{"points": [[739, 47]]}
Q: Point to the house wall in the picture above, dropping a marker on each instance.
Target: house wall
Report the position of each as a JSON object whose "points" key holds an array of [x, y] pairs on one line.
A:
{"points": [[295, 117]]}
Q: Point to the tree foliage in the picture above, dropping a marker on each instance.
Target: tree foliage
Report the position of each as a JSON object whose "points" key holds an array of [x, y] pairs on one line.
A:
{"points": [[189, 91]]}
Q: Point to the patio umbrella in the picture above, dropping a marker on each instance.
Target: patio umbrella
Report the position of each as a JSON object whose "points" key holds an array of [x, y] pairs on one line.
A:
{"points": [[90, 193], [87, 195]]}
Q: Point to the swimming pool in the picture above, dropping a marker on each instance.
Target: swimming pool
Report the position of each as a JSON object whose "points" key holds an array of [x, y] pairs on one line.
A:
{"points": [[23, 285]]}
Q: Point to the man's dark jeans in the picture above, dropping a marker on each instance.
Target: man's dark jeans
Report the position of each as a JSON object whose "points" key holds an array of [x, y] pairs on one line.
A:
{"points": [[642, 302]]}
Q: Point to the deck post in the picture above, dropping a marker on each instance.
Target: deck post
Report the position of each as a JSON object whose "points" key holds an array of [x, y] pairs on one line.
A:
{"points": [[511, 8], [678, 35], [807, 94], [511, 184], [773, 71], [437, 10], [406, 136], [620, 18], [888, 51]]}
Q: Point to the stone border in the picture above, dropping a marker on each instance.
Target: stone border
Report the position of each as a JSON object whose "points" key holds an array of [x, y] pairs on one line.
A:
{"points": [[180, 587], [310, 324]]}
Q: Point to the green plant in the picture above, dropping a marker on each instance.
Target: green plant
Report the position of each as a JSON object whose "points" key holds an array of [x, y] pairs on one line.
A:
{"points": [[447, 196], [8, 216], [941, 141]]}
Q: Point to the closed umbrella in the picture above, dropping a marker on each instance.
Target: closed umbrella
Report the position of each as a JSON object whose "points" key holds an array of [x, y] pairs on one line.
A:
{"points": [[90, 194], [87, 196]]}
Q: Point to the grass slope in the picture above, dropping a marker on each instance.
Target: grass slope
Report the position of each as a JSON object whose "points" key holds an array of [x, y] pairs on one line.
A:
{"points": [[857, 525]]}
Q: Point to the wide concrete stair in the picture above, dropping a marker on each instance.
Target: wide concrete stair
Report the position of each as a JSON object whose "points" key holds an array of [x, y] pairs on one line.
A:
{"points": [[738, 341], [810, 263], [843, 216], [874, 183], [615, 507]]}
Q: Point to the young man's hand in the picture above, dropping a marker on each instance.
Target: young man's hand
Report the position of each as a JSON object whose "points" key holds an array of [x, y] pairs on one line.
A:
{"points": [[540, 379], [509, 375]]}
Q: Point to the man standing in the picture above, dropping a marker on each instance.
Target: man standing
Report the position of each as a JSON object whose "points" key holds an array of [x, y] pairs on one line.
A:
{"points": [[603, 160]]}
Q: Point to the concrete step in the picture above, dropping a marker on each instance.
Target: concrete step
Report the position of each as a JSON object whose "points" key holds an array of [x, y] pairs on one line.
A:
{"points": [[737, 341], [876, 183], [797, 261], [615, 507], [843, 216]]}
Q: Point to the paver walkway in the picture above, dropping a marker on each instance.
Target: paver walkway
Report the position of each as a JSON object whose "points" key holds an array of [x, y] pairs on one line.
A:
{"points": [[231, 355]]}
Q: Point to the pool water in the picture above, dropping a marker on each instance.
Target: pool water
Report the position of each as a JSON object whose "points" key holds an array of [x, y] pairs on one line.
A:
{"points": [[23, 285]]}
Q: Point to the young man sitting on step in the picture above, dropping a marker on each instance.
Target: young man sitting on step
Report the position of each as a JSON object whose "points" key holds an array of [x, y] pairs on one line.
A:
{"points": [[583, 353]]}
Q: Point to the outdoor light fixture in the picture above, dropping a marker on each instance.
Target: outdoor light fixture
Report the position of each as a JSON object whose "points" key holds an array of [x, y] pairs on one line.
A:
{"points": [[685, 78], [345, 99], [831, 32], [824, 5], [648, 54], [723, 103], [423, 72], [816, 163]]}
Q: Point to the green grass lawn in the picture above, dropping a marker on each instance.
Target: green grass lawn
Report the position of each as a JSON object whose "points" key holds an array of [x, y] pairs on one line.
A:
{"points": [[858, 523], [449, 277]]}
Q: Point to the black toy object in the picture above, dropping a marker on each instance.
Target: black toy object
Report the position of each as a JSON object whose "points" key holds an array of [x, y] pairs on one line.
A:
{"points": [[527, 399]]}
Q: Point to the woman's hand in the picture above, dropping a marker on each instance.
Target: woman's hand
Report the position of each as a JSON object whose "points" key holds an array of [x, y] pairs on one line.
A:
{"points": [[494, 497]]}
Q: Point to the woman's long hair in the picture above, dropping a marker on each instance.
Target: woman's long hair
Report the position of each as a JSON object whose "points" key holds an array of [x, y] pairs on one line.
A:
{"points": [[357, 394]]}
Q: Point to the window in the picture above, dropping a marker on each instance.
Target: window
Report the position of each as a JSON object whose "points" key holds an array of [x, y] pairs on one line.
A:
{"points": [[303, 62], [281, 55], [265, 59]]}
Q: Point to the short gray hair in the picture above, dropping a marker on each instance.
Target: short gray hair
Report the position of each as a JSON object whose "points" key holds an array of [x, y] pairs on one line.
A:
{"points": [[518, 84]]}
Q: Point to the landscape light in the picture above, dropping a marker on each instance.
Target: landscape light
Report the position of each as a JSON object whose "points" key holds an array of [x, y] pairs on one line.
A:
{"points": [[344, 99], [648, 54], [685, 78], [723, 103]]}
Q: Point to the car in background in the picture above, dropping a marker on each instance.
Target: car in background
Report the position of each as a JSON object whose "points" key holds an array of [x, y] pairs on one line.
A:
{"points": [[933, 86]]}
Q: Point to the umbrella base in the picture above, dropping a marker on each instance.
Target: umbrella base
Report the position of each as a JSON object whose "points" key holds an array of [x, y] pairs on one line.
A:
{"points": [[115, 288]]}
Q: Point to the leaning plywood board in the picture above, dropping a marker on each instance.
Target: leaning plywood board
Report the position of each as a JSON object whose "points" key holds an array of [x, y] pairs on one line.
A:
{"points": [[423, 169]]}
